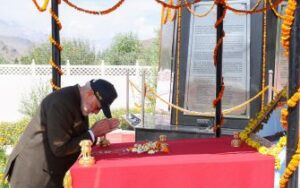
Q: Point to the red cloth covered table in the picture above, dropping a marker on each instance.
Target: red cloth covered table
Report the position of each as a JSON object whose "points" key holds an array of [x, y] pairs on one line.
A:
{"points": [[195, 163]]}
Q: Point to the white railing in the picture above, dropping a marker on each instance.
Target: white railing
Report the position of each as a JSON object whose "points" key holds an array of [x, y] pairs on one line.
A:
{"points": [[73, 70], [17, 81]]}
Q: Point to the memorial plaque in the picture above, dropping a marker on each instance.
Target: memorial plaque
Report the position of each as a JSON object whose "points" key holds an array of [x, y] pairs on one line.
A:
{"points": [[281, 61], [201, 72]]}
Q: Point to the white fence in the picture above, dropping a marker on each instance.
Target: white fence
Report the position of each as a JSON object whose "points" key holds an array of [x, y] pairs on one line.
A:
{"points": [[17, 81]]}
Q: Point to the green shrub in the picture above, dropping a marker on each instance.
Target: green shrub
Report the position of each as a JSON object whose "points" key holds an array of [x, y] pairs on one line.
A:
{"points": [[30, 101]]}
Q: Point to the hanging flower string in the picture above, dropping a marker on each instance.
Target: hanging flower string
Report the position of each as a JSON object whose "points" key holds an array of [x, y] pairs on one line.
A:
{"points": [[176, 6], [109, 10], [291, 167], [251, 10], [178, 63], [167, 16], [264, 54], [275, 11], [197, 14], [227, 6], [291, 103], [44, 6], [286, 26]]}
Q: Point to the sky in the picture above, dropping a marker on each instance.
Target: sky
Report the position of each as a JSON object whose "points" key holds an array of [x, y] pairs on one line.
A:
{"points": [[141, 17]]}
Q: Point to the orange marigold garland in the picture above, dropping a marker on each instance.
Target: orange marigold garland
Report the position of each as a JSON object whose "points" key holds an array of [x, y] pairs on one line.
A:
{"points": [[166, 14], [219, 42], [252, 11], [176, 6], [291, 167], [220, 95], [100, 12], [291, 103], [54, 86], [286, 26], [43, 7], [55, 17], [51, 62], [55, 43]]}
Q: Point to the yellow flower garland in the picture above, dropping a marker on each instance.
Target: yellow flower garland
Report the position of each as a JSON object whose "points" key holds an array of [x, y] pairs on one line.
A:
{"points": [[288, 19], [291, 167], [291, 103], [44, 6], [254, 123]]}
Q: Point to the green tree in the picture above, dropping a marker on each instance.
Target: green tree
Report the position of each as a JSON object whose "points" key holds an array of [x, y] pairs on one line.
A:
{"points": [[150, 53], [3, 60], [77, 51], [41, 54], [125, 50]]}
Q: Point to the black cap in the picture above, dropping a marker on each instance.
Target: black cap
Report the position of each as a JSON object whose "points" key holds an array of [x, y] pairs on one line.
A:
{"points": [[105, 93]]}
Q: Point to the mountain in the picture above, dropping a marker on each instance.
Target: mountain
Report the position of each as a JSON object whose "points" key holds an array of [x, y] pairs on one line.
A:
{"points": [[14, 29], [148, 42], [17, 40], [14, 47]]}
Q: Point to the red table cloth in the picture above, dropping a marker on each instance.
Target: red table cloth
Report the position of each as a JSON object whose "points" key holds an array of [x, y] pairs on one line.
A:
{"points": [[195, 163]]}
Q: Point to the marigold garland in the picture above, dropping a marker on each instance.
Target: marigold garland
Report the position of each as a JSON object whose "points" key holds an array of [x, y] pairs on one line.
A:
{"points": [[275, 11], [54, 86], [176, 6], [220, 95], [220, 41], [216, 50], [44, 6], [166, 17], [286, 26], [197, 14], [58, 69], [100, 12], [255, 123], [252, 11], [264, 54], [291, 103], [55, 43], [291, 167], [55, 17], [178, 62]]}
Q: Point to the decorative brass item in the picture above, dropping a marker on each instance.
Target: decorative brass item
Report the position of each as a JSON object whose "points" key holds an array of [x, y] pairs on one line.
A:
{"points": [[236, 141], [103, 141], [162, 138], [86, 149]]}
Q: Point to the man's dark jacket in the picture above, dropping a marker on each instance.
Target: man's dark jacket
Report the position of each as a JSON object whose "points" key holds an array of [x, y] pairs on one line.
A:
{"points": [[50, 143]]}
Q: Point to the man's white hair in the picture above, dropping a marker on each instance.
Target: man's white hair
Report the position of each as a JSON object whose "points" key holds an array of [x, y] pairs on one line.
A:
{"points": [[88, 85]]}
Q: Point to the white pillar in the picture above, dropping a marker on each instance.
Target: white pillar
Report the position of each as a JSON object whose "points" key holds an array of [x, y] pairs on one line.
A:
{"points": [[137, 69], [102, 68], [68, 68], [127, 94], [270, 91], [32, 67], [143, 99]]}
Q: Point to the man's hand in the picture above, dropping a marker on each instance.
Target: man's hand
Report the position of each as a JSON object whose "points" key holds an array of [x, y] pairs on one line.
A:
{"points": [[104, 126]]}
